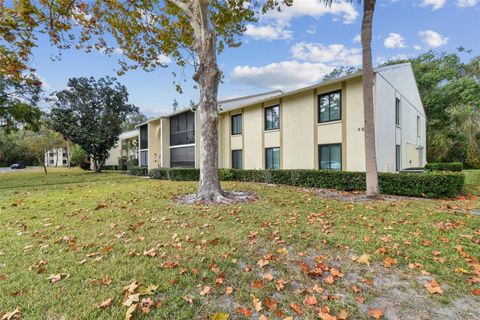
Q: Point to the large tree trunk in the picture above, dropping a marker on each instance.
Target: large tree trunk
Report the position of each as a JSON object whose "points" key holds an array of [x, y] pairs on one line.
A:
{"points": [[98, 165], [369, 121], [208, 77]]}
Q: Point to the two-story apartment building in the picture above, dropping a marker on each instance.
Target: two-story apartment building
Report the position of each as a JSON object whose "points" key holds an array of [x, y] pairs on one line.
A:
{"points": [[316, 127], [125, 149]]}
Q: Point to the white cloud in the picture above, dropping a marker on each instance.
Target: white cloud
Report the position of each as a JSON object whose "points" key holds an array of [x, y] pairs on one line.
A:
{"points": [[394, 40], [335, 54], [268, 32], [417, 47], [466, 3], [163, 59], [435, 4], [276, 25], [283, 75], [432, 39], [357, 38], [315, 9]]}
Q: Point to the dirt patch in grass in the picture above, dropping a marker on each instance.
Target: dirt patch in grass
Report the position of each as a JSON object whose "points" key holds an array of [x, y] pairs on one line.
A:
{"points": [[402, 296], [399, 293]]}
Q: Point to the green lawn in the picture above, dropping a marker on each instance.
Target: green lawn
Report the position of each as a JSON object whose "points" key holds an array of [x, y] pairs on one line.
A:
{"points": [[102, 232], [472, 181]]}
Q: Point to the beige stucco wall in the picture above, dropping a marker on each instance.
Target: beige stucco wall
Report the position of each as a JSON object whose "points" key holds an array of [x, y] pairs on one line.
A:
{"points": [[252, 135], [329, 132], [298, 123], [299, 134], [154, 144], [165, 142], [114, 155], [272, 138], [236, 143], [355, 143], [413, 155]]}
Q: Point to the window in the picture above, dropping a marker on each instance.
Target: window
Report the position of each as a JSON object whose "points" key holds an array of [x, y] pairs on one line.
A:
{"points": [[143, 158], [237, 124], [418, 126], [182, 129], [183, 157], [398, 165], [50, 162], [144, 137], [330, 156], [64, 161], [330, 106], [397, 111], [272, 158], [50, 154], [64, 155], [272, 118], [236, 159]]}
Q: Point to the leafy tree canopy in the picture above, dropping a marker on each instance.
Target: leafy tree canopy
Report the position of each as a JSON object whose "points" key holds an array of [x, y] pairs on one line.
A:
{"points": [[18, 103], [340, 72], [132, 120], [77, 155], [144, 30], [37, 143], [91, 114]]}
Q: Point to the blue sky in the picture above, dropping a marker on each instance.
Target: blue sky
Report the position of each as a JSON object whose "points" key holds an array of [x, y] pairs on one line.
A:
{"points": [[288, 50]]}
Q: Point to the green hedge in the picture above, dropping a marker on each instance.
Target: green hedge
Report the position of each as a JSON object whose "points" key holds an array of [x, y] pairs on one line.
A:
{"points": [[110, 167], [433, 185], [132, 163], [159, 173], [447, 166], [138, 171], [178, 174]]}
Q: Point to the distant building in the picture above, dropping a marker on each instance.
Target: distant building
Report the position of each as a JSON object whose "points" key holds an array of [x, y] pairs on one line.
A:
{"points": [[126, 149], [57, 157]]}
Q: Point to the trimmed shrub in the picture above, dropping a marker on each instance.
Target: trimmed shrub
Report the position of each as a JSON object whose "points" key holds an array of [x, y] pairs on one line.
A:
{"points": [[85, 165], [110, 167], [433, 185], [447, 166], [159, 173], [132, 163], [226, 174], [184, 174], [138, 171]]}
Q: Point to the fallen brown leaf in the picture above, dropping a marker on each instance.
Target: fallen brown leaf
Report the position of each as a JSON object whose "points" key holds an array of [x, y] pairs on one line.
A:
{"points": [[105, 304], [375, 313], [310, 300], [10, 315], [297, 308], [433, 287]]}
